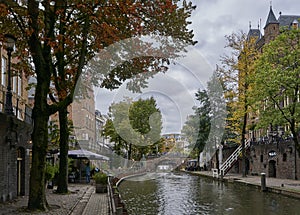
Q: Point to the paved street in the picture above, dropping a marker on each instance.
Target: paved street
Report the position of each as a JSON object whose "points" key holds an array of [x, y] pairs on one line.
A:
{"points": [[81, 200]]}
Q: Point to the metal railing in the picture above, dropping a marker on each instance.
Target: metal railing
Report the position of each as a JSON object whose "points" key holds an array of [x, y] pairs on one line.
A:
{"points": [[111, 202], [232, 158]]}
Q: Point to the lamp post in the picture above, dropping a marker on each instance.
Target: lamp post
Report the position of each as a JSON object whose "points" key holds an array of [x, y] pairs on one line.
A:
{"points": [[10, 45]]}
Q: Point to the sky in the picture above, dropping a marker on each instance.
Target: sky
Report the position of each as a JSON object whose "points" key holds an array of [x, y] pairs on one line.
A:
{"points": [[175, 90]]}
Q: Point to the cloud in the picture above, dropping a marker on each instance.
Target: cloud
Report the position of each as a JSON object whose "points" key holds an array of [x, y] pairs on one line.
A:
{"points": [[174, 91], [212, 20]]}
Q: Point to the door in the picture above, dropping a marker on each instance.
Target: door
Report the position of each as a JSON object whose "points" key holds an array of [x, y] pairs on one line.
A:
{"points": [[272, 168], [21, 172]]}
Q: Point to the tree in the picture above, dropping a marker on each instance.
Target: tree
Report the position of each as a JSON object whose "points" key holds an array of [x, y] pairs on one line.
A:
{"points": [[135, 126], [60, 37], [190, 131], [145, 118], [117, 124], [236, 74], [206, 127], [277, 83], [197, 127], [204, 114], [217, 114]]}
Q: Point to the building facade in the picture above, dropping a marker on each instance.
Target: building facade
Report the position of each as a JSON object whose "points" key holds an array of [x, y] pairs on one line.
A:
{"points": [[271, 152], [15, 131], [15, 157], [19, 84], [83, 116]]}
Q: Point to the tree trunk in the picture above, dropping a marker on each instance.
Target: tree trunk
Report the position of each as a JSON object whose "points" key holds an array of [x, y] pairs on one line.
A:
{"points": [[62, 186], [243, 143], [37, 198], [297, 148], [41, 58]]}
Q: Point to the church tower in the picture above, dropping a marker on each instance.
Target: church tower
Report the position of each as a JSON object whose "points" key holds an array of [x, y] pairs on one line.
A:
{"points": [[271, 29]]}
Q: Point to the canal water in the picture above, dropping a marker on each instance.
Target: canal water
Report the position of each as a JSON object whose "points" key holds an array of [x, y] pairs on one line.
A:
{"points": [[185, 194]]}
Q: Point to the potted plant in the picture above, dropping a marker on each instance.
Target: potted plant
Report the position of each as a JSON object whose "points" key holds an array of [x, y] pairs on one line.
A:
{"points": [[101, 182], [50, 172]]}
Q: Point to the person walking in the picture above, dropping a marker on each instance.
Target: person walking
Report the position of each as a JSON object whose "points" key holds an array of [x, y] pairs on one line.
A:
{"points": [[88, 172]]}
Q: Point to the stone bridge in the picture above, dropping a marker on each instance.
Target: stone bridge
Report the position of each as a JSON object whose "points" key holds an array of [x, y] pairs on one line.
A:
{"points": [[163, 163]]}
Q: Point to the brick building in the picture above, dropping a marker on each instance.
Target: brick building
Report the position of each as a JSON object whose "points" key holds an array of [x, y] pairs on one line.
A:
{"points": [[83, 115], [15, 157], [270, 152], [19, 83], [275, 158], [15, 130]]}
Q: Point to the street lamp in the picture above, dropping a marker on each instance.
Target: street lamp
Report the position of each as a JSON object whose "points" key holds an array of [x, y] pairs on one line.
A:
{"points": [[10, 45]]}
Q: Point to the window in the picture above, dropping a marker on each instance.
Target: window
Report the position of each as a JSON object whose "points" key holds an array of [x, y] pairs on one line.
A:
{"points": [[3, 70], [14, 85], [87, 121], [19, 86], [19, 114], [261, 158], [284, 156]]}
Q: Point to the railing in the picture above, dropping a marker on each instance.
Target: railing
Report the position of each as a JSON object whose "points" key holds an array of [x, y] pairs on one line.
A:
{"points": [[112, 205], [232, 159]]}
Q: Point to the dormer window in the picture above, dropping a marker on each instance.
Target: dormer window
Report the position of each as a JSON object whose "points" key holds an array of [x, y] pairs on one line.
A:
{"points": [[295, 24]]}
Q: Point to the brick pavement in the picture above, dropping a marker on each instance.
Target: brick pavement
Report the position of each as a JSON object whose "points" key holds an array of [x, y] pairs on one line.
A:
{"points": [[82, 199], [81, 204], [97, 205]]}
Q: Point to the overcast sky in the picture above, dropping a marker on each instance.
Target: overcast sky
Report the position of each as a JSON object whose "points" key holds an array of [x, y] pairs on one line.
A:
{"points": [[212, 20]]}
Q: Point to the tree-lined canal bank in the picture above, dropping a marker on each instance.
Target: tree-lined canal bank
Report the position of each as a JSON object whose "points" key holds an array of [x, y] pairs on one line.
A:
{"points": [[185, 194]]}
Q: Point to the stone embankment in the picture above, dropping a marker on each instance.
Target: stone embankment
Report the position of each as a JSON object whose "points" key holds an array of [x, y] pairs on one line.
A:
{"points": [[286, 187]]}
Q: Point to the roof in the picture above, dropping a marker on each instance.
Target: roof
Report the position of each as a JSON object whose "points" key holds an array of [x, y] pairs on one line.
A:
{"points": [[287, 20], [271, 18], [81, 153], [254, 33]]}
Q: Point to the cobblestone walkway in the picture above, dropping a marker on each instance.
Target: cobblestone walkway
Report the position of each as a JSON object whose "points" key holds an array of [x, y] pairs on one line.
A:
{"points": [[82, 200]]}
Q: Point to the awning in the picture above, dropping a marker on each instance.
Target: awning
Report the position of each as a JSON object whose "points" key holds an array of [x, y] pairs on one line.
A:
{"points": [[82, 153]]}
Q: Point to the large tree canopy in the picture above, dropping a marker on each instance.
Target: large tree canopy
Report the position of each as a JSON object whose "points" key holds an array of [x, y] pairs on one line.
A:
{"points": [[204, 129], [134, 126], [237, 73], [277, 83], [58, 38]]}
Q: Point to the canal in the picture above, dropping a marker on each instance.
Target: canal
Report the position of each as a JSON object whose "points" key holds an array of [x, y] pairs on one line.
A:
{"points": [[185, 194]]}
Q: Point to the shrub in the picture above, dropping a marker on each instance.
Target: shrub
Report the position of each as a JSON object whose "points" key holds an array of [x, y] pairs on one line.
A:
{"points": [[50, 171], [100, 178]]}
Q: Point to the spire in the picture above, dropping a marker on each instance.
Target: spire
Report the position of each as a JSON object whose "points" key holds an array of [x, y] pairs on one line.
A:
{"points": [[271, 18]]}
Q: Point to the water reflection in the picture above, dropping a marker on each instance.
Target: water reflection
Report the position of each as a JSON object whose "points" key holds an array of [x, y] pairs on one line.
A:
{"points": [[183, 194]]}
